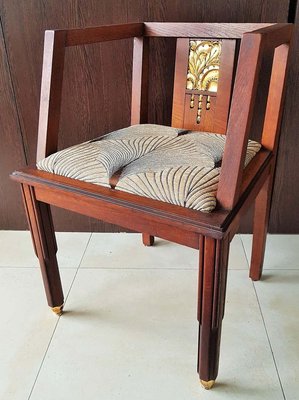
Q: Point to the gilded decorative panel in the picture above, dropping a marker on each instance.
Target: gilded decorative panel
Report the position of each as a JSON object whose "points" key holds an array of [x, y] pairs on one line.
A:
{"points": [[203, 72], [203, 65]]}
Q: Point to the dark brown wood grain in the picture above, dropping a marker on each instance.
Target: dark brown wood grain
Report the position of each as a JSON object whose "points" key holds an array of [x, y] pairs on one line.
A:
{"points": [[12, 151]]}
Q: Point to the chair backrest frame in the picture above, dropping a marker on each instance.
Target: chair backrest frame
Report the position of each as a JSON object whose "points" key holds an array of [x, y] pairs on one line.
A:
{"points": [[256, 41]]}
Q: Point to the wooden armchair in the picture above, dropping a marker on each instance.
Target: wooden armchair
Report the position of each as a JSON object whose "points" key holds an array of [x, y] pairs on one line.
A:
{"points": [[217, 72]]}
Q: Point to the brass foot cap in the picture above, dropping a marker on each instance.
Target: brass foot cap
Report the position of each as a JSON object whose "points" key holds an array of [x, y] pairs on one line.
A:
{"points": [[58, 310], [207, 384]]}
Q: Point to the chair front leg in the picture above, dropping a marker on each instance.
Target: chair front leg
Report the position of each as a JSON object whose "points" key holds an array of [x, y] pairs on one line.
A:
{"points": [[211, 297], [43, 236]]}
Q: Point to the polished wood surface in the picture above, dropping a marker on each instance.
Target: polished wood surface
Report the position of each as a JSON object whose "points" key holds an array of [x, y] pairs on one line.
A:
{"points": [[85, 111]]}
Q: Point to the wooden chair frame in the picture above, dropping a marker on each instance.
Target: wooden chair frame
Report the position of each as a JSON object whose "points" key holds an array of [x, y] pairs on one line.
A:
{"points": [[238, 187]]}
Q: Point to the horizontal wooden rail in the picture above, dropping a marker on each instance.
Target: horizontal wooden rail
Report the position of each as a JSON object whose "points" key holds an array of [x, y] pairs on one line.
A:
{"points": [[202, 30], [80, 36]]}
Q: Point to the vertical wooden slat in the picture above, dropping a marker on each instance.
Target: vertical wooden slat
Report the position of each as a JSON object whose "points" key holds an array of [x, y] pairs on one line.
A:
{"points": [[51, 89], [224, 85], [181, 66], [139, 107]]}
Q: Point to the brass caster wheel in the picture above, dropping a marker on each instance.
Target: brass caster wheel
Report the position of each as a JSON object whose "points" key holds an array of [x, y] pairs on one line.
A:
{"points": [[58, 310], [207, 384]]}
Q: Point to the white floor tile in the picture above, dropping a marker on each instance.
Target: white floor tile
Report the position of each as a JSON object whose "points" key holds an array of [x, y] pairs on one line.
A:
{"points": [[282, 251], [16, 249], [71, 247], [278, 294], [237, 257], [27, 325], [131, 334], [125, 250]]}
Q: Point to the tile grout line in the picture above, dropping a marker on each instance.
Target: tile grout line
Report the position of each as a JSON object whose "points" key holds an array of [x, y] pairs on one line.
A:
{"points": [[264, 323], [43, 359], [55, 327], [270, 345], [173, 269], [244, 250], [79, 264]]}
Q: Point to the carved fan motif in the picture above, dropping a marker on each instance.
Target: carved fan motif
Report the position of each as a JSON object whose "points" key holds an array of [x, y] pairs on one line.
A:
{"points": [[203, 68]]}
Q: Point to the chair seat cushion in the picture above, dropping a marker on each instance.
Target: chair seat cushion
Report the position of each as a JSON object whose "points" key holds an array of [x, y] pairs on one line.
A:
{"points": [[167, 164]]}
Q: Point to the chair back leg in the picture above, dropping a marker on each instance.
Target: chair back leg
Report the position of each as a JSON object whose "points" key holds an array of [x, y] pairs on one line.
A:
{"points": [[147, 239], [260, 228]]}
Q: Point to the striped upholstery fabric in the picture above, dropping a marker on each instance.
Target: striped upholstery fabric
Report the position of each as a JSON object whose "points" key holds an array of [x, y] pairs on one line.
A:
{"points": [[168, 164]]}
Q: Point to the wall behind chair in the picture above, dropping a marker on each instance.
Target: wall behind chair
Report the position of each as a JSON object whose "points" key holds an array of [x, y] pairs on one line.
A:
{"points": [[96, 94]]}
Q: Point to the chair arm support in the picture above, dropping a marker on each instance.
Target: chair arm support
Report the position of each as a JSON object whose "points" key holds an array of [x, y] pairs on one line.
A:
{"points": [[272, 41]]}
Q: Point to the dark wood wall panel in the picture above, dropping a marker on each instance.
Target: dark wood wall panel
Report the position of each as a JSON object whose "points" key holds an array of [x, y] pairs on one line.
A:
{"points": [[12, 154], [96, 93], [284, 213]]}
